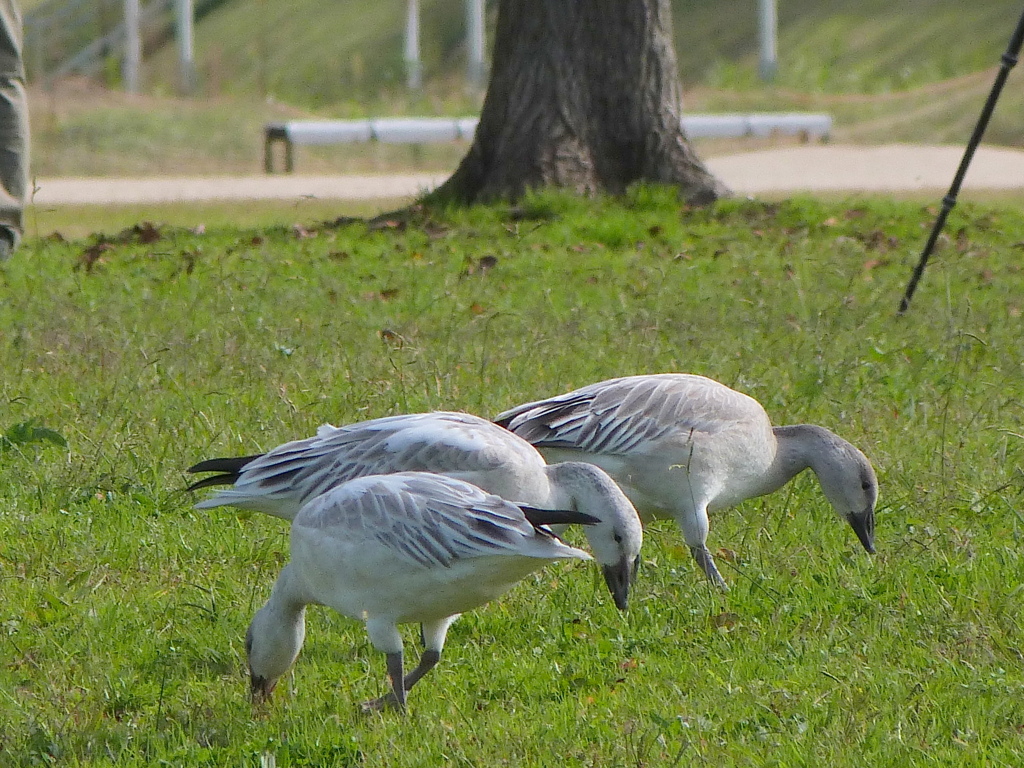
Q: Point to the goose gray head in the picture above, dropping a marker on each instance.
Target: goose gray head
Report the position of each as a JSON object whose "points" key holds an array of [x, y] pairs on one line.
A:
{"points": [[616, 538], [848, 481], [274, 639]]}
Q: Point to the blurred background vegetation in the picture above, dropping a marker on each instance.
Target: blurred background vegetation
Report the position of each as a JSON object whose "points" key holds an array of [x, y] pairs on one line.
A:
{"points": [[914, 71]]}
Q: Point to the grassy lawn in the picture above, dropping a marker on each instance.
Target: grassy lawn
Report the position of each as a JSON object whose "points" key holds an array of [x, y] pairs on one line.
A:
{"points": [[81, 221], [127, 358]]}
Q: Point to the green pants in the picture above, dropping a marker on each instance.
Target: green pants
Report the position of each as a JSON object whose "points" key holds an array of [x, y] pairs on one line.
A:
{"points": [[13, 122]]}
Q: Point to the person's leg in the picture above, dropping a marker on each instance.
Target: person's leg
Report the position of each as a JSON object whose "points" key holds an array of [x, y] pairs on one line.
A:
{"points": [[13, 129]]}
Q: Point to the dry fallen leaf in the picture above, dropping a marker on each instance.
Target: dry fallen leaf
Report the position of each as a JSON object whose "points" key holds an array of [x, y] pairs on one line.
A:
{"points": [[92, 256], [725, 620]]}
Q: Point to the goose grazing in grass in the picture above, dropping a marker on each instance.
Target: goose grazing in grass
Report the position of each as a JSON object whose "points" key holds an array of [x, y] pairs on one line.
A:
{"points": [[454, 444], [392, 549], [680, 445]]}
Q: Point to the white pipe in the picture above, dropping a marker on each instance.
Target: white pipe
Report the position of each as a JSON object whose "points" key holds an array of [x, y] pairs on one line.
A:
{"points": [[186, 53], [475, 43], [768, 24], [433, 129], [132, 46], [413, 66]]}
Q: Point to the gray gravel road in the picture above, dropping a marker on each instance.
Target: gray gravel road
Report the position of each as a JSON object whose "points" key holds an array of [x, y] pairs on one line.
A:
{"points": [[891, 168]]}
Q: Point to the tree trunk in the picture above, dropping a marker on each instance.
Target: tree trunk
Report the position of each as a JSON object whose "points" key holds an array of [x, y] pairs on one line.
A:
{"points": [[585, 95]]}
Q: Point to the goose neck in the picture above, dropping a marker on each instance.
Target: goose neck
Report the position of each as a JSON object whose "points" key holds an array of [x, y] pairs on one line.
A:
{"points": [[798, 447]]}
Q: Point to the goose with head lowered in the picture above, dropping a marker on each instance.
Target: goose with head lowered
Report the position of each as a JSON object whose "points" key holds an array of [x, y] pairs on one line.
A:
{"points": [[681, 445], [458, 445], [398, 548]]}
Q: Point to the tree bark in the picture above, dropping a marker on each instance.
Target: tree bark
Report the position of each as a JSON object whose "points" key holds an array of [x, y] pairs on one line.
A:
{"points": [[584, 95]]}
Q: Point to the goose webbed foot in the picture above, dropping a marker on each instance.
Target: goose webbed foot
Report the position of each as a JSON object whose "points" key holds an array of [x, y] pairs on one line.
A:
{"points": [[395, 699], [390, 700], [707, 565]]}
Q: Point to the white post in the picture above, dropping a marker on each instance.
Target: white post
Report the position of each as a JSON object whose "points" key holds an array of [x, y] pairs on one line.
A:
{"points": [[476, 67], [768, 24], [186, 53], [413, 66], [132, 46]]}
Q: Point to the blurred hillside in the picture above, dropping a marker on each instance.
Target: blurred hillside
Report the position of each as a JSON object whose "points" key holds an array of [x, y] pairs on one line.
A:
{"points": [[313, 53], [917, 70]]}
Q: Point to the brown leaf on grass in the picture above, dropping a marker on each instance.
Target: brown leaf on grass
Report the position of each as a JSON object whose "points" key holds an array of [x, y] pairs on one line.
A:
{"points": [[379, 224], [383, 295], [190, 257], [477, 308], [145, 232], [726, 620], [342, 221], [391, 337], [93, 256], [256, 240], [435, 231], [877, 240], [963, 242], [480, 266], [729, 555]]}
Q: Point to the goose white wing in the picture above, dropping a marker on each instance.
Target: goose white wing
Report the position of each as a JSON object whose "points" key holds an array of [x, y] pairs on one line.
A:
{"points": [[631, 414], [441, 442], [430, 520]]}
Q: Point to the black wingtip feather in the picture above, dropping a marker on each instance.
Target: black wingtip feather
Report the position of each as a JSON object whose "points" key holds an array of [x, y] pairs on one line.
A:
{"points": [[229, 464], [229, 469], [209, 482], [538, 517]]}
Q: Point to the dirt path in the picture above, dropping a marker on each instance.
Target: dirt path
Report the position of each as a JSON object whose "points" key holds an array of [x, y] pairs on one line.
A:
{"points": [[892, 168]]}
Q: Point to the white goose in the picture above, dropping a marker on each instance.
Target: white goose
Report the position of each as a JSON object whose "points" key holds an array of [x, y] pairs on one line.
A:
{"points": [[454, 444], [680, 445], [392, 549]]}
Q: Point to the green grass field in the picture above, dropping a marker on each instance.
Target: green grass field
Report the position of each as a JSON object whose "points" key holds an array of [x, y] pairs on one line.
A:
{"points": [[127, 358]]}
